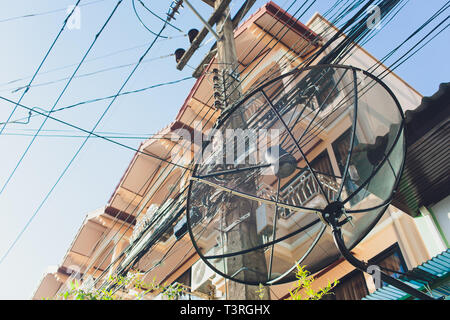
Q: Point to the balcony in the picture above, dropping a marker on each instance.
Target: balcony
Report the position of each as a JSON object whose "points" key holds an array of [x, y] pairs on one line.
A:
{"points": [[304, 187]]}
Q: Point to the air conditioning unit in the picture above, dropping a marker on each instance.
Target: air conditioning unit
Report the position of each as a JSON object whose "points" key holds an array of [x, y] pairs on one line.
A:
{"points": [[201, 277]]}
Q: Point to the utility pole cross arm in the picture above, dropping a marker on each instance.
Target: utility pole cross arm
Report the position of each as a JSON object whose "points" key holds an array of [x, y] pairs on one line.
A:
{"points": [[217, 14], [246, 6]]}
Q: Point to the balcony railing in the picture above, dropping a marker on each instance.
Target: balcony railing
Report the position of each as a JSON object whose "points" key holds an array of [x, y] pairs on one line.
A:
{"points": [[304, 187]]}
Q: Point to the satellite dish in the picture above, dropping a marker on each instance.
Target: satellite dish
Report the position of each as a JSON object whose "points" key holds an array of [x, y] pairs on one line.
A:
{"points": [[298, 171]]}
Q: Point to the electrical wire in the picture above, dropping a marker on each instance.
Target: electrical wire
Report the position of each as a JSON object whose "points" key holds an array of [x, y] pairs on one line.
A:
{"points": [[90, 74], [30, 15], [106, 133], [26, 120], [78, 136], [399, 61], [84, 142], [173, 168], [157, 16], [88, 60], [97, 36], [41, 64], [91, 133], [387, 70], [417, 31], [142, 22]]}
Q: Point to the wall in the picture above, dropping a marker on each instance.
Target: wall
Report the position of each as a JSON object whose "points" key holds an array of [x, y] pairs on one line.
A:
{"points": [[441, 212]]}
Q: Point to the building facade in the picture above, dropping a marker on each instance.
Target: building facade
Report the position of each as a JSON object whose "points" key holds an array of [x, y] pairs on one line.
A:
{"points": [[143, 229]]}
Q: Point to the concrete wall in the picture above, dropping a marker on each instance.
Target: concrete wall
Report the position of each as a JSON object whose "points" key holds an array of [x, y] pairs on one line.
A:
{"points": [[441, 212]]}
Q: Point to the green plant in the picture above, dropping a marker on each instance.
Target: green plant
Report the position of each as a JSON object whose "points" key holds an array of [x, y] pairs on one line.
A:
{"points": [[261, 291], [171, 292], [304, 290], [75, 293]]}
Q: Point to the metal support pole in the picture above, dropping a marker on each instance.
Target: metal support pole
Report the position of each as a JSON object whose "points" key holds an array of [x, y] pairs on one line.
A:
{"points": [[363, 267], [205, 23]]}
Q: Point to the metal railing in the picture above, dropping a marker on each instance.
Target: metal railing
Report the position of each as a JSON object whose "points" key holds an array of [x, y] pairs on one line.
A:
{"points": [[304, 187]]}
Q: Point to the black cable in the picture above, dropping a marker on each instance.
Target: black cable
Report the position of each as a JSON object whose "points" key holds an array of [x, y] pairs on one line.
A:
{"points": [[142, 22], [92, 132], [370, 34], [46, 12], [388, 70], [338, 16], [90, 74], [41, 64], [66, 131], [26, 120], [356, 31], [78, 136], [420, 28], [157, 16], [87, 60], [399, 62], [60, 95], [171, 169], [323, 48]]}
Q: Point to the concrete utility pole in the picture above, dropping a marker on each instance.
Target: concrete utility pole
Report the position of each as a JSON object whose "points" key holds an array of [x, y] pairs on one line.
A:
{"points": [[244, 234]]}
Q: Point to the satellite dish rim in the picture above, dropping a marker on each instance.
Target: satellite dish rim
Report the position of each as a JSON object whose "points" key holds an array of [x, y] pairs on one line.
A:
{"points": [[401, 129], [268, 244], [229, 111], [280, 279]]}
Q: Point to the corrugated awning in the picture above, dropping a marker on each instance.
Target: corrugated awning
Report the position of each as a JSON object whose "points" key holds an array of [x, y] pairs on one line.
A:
{"points": [[436, 277], [425, 177]]}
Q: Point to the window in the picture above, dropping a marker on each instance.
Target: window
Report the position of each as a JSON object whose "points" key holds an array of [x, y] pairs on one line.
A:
{"points": [[390, 259], [318, 88], [323, 85], [351, 287], [328, 90], [322, 164], [341, 147]]}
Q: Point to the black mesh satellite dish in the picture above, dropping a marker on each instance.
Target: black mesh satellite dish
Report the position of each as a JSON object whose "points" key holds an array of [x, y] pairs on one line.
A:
{"points": [[299, 171]]}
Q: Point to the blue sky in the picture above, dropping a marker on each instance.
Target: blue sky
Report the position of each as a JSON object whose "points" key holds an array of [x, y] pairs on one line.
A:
{"points": [[93, 176]]}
